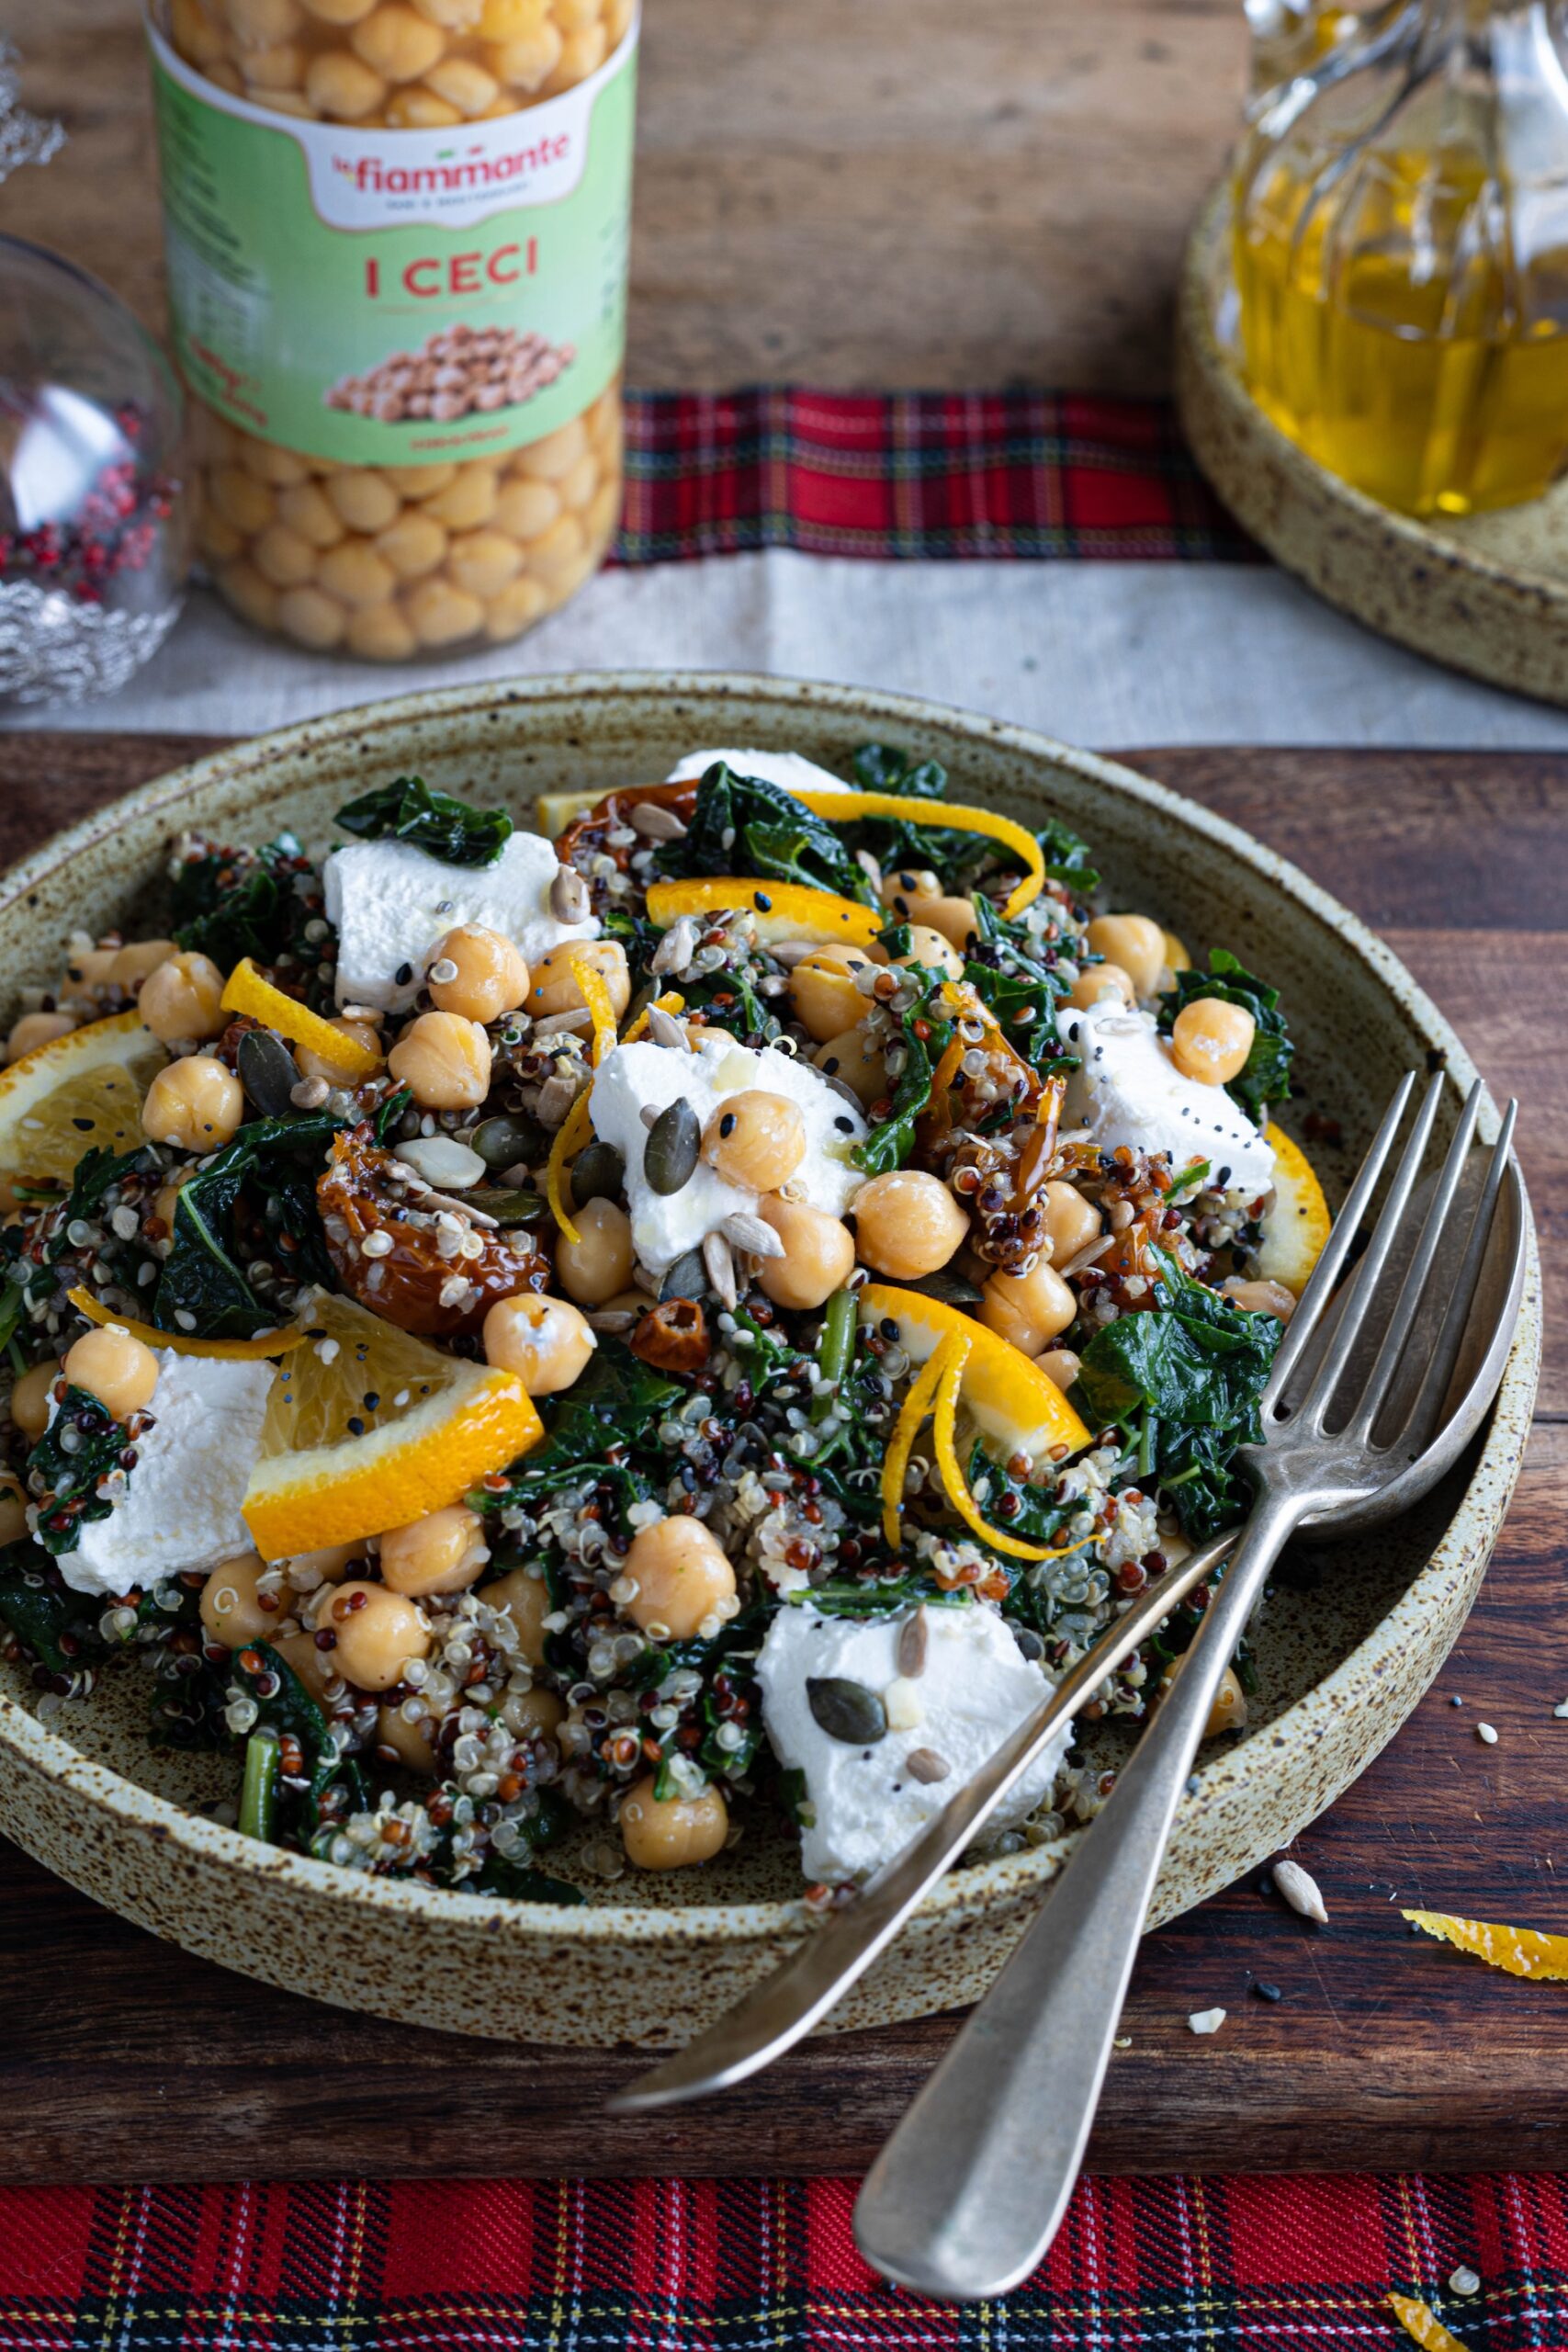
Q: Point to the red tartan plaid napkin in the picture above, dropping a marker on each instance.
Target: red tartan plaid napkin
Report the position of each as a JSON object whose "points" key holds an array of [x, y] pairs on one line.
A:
{"points": [[1219, 2266], [914, 474]]}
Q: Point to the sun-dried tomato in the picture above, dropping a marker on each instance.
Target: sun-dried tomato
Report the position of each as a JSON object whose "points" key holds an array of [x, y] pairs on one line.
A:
{"points": [[673, 1336], [358, 1197], [607, 816]]}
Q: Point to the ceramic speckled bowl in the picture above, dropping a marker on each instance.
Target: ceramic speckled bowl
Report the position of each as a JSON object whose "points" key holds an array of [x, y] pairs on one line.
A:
{"points": [[1340, 1663]]}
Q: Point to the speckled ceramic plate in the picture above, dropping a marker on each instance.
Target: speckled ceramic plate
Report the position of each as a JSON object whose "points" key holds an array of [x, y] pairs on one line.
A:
{"points": [[1485, 594], [1344, 1649]]}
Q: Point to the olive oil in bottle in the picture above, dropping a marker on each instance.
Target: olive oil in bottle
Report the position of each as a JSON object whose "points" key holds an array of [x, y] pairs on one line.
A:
{"points": [[1401, 255]]}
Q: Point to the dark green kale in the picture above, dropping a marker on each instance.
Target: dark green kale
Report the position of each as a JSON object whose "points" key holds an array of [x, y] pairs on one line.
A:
{"points": [[928, 1031], [1066, 856], [880, 1595], [741, 825], [80, 1447], [1184, 1380], [1020, 991], [229, 903], [618, 1402], [309, 1764], [1266, 1076], [256, 1198], [408, 810], [522, 1883], [56, 1625], [728, 1695]]}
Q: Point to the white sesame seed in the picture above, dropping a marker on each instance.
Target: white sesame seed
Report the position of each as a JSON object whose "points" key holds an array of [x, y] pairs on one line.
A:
{"points": [[377, 1244]]}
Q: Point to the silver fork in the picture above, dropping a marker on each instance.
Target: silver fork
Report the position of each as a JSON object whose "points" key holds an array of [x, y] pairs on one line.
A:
{"points": [[970, 2190]]}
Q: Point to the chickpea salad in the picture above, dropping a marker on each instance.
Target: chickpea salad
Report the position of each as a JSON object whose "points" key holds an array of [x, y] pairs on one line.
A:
{"points": [[586, 1338]]}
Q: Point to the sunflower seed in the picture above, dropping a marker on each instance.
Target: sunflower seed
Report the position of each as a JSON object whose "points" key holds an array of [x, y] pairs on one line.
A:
{"points": [[655, 822], [665, 1030], [569, 896], [1299, 1890], [719, 1261], [687, 1278], [268, 1072], [752, 1234], [674, 1142], [563, 1024], [846, 1710], [791, 951], [613, 1321], [441, 1159], [675, 950], [913, 1637], [556, 1098], [597, 1174], [923, 1764]]}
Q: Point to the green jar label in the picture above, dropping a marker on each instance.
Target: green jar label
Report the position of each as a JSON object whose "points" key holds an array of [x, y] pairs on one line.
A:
{"points": [[397, 297]]}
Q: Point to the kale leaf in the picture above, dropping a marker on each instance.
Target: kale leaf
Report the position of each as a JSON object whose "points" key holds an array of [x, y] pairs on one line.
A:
{"points": [[1266, 1076], [741, 825], [1066, 856], [879, 767], [522, 1883], [229, 903], [81, 1445], [408, 810], [1020, 991], [619, 1401], [927, 1033], [259, 1190], [40, 1610]]}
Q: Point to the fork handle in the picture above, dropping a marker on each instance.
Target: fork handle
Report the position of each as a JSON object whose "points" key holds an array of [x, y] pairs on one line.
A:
{"points": [[971, 2188]]}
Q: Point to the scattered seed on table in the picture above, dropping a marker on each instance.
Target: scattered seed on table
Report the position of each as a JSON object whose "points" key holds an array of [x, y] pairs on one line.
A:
{"points": [[1206, 2021], [1301, 1891], [1484, 1732], [1464, 2281], [1267, 1992]]}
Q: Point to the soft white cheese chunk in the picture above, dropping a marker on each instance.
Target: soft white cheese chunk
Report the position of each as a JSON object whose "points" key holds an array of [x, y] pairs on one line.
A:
{"points": [[179, 1507], [1130, 1092], [976, 1688], [641, 1075], [390, 902], [788, 769]]}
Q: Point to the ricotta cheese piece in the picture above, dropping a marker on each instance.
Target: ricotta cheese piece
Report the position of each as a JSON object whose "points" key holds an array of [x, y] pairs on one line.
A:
{"points": [[179, 1507], [1129, 1091], [866, 1804], [640, 1077], [390, 902], [787, 769]]}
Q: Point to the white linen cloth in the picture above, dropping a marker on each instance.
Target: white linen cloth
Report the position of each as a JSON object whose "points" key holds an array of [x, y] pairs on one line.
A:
{"points": [[1096, 653]]}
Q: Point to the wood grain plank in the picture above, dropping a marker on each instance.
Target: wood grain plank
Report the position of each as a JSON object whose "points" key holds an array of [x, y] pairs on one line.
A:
{"points": [[896, 193]]}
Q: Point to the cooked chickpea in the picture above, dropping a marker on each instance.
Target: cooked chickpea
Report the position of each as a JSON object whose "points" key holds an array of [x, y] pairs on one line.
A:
{"points": [[755, 1138], [554, 987], [1228, 1712], [1061, 1365], [182, 1000], [1135, 942], [1261, 1298], [29, 1399], [407, 1741], [536, 1714], [397, 42], [343, 87], [379, 633], [1177, 959], [138, 959], [819, 1254], [1070, 1220], [445, 1059], [364, 500], [546, 1341], [527, 1601], [315, 1065], [88, 970], [488, 976], [823, 990], [36, 1029], [1097, 981], [311, 617], [378, 1632], [414, 545], [917, 895], [314, 1668], [847, 1057], [196, 1103], [444, 1552], [929, 949], [13, 1509], [331, 1562], [1029, 1309], [683, 1576], [599, 1262], [671, 1832], [907, 1224], [231, 1609], [121, 1372], [1211, 1040]]}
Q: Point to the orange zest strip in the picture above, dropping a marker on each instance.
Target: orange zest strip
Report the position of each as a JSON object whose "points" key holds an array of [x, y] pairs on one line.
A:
{"points": [[1421, 2323], [1517, 1952], [896, 1467], [577, 1129], [269, 1343], [248, 992], [784, 909], [850, 808], [954, 1355], [596, 997]]}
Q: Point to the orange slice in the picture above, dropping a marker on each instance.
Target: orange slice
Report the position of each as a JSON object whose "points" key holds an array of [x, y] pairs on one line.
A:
{"points": [[75, 1095], [248, 992], [1517, 1952], [784, 909], [1008, 1399], [850, 808], [268, 1343], [1297, 1225], [952, 1357], [576, 1129], [438, 1426]]}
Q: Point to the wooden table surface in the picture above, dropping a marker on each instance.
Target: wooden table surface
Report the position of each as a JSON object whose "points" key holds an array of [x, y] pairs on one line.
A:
{"points": [[841, 192], [128, 2060]]}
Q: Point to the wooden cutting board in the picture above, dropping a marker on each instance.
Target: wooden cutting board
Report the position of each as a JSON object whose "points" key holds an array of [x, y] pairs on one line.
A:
{"points": [[124, 2060]]}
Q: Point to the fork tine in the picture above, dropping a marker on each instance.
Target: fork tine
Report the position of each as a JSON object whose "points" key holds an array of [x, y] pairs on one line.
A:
{"points": [[1396, 1338], [1329, 1370], [1336, 1249], [1423, 1416]]}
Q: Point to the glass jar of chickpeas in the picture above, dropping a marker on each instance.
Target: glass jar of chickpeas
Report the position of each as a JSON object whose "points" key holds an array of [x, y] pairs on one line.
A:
{"points": [[397, 237]]}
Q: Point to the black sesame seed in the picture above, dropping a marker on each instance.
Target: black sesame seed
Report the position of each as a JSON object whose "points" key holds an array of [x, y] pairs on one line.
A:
{"points": [[1267, 1992], [726, 1125], [845, 1126], [355, 1425], [764, 905], [86, 1125], [372, 1400], [405, 975], [831, 1067]]}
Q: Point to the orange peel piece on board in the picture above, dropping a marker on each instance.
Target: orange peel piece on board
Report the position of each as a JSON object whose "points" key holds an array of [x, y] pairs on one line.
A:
{"points": [[268, 1343], [945, 816], [783, 910], [1421, 2323], [247, 991], [1517, 1952], [577, 1129]]}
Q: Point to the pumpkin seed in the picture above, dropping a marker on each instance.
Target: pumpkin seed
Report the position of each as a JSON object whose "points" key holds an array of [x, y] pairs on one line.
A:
{"points": [[674, 1143], [923, 1764], [268, 1072], [502, 1141], [687, 1278], [846, 1710], [953, 1290], [913, 1636], [597, 1174], [505, 1203]]}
